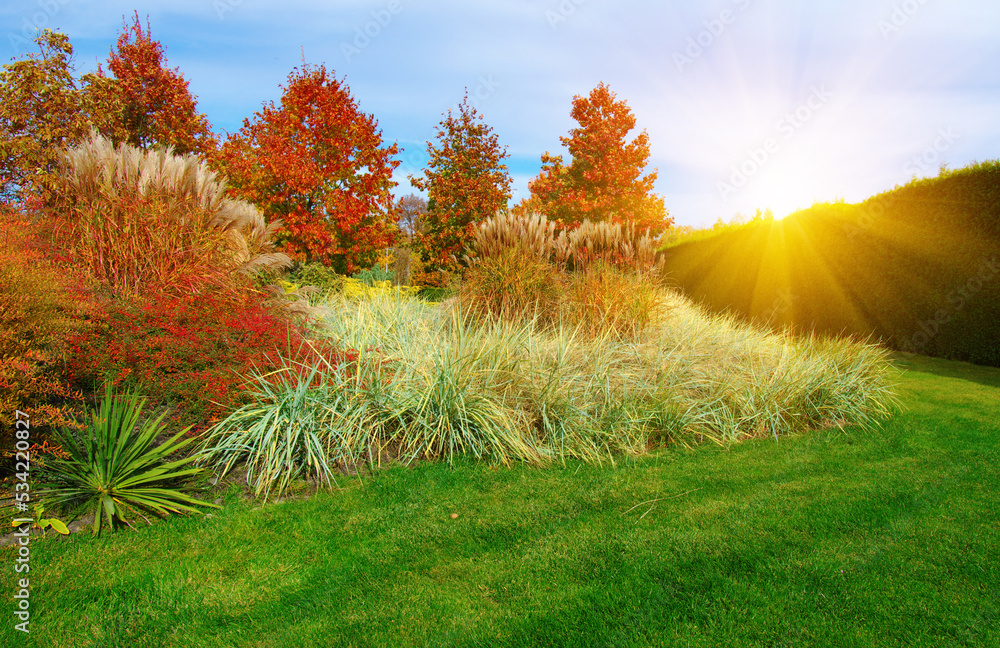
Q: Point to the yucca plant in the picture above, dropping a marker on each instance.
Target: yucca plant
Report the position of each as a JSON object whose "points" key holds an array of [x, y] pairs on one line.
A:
{"points": [[113, 466]]}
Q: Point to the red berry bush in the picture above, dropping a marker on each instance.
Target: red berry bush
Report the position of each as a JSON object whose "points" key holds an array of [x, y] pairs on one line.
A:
{"points": [[193, 352]]}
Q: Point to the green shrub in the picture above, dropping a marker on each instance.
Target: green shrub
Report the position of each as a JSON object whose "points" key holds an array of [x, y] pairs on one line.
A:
{"points": [[113, 468], [323, 277], [371, 276]]}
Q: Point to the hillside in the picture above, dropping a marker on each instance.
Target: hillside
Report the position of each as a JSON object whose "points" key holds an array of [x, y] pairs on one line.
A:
{"points": [[917, 267]]}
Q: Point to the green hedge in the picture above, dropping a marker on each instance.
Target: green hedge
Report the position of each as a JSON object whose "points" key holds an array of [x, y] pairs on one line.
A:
{"points": [[917, 267]]}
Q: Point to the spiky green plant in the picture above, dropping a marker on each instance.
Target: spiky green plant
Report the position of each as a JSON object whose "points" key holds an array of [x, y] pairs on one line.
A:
{"points": [[113, 465]]}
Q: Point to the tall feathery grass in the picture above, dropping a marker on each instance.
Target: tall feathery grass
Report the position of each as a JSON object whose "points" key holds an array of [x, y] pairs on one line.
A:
{"points": [[595, 278], [148, 220], [430, 382]]}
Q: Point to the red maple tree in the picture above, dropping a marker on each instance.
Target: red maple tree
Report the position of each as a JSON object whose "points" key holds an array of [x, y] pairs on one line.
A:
{"points": [[319, 164], [145, 103], [466, 182], [604, 179]]}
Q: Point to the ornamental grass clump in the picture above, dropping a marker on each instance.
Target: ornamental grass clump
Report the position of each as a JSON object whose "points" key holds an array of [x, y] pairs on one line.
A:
{"points": [[534, 236], [513, 286], [289, 430], [442, 382], [597, 277], [148, 221], [543, 393], [601, 298]]}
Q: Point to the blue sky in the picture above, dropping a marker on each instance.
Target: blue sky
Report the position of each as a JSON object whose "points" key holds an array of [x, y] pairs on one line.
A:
{"points": [[748, 103]]}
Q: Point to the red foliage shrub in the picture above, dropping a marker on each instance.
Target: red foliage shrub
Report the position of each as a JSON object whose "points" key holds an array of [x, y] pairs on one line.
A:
{"points": [[193, 352], [36, 313]]}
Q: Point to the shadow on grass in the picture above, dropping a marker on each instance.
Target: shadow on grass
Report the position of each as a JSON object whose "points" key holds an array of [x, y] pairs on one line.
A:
{"points": [[989, 376]]}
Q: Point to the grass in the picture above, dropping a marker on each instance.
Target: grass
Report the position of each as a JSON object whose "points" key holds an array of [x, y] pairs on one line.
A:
{"points": [[538, 394], [832, 538], [438, 381]]}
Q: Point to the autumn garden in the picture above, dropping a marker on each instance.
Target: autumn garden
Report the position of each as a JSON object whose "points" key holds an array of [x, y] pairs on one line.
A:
{"points": [[258, 396]]}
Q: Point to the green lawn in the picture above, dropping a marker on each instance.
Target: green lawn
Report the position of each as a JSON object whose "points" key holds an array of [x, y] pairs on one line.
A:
{"points": [[888, 538]]}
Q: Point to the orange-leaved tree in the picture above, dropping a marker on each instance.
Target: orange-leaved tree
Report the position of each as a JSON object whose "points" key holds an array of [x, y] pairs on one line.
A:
{"points": [[466, 182], [145, 104], [604, 180], [39, 114], [319, 164]]}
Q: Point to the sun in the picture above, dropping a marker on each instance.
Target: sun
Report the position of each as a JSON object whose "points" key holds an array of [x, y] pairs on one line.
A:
{"points": [[791, 180]]}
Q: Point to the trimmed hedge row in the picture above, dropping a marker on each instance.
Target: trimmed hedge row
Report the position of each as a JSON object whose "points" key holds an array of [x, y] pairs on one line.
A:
{"points": [[917, 267]]}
